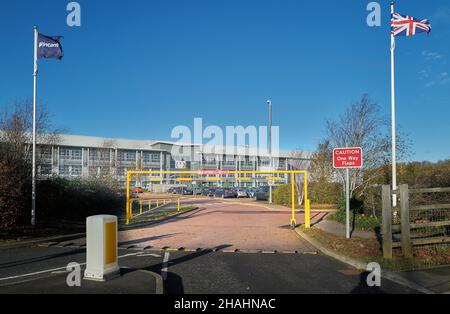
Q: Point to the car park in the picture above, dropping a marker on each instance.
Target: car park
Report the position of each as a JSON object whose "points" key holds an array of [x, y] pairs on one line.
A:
{"points": [[225, 193], [138, 190], [209, 192], [262, 194], [241, 193], [251, 192], [171, 190]]}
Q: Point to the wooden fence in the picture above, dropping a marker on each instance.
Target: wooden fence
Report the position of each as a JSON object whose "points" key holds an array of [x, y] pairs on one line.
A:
{"points": [[405, 226]]}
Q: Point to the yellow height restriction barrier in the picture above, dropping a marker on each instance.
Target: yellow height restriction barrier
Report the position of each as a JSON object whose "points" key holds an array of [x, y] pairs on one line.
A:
{"points": [[202, 175], [152, 204]]}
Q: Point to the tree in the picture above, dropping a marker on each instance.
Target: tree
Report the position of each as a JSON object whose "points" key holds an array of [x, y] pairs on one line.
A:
{"points": [[299, 160], [16, 158], [322, 163], [362, 126]]}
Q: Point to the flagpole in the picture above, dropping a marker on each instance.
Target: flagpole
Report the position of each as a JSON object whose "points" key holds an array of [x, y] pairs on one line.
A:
{"points": [[33, 171], [394, 136]]}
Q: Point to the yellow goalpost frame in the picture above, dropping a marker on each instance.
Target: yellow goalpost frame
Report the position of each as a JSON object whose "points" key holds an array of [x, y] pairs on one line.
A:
{"points": [[292, 174]]}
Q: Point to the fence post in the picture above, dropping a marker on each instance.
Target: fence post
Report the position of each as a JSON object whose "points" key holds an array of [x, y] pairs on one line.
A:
{"points": [[405, 222], [387, 221]]}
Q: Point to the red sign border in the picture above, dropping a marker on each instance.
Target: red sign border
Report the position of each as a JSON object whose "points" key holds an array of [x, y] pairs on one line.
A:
{"points": [[362, 159]]}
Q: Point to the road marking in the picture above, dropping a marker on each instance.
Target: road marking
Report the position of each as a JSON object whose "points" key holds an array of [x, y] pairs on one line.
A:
{"points": [[165, 265], [54, 269]]}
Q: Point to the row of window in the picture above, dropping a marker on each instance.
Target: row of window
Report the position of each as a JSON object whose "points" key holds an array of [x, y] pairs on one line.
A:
{"points": [[77, 154]]}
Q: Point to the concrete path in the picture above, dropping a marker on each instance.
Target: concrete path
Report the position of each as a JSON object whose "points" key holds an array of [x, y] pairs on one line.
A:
{"points": [[338, 229]]}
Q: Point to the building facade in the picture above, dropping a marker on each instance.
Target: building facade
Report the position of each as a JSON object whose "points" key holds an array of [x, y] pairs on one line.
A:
{"points": [[84, 156]]}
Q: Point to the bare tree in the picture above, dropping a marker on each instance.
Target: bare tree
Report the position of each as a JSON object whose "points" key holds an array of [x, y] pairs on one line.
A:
{"points": [[15, 158], [321, 167], [299, 160], [362, 126]]}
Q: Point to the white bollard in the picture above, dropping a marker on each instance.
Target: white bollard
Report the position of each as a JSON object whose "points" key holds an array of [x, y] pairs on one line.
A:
{"points": [[101, 247]]}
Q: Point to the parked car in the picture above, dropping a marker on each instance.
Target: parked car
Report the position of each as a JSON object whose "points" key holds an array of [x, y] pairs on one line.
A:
{"points": [[138, 190], [262, 194], [252, 191], [187, 191], [171, 190], [241, 193], [225, 193], [209, 192]]}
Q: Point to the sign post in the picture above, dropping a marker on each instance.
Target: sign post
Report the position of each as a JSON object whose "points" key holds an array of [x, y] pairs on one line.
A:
{"points": [[347, 158]]}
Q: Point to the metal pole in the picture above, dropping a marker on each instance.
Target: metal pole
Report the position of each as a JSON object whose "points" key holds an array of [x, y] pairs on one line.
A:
{"points": [[33, 171], [394, 139], [269, 102], [347, 202]]}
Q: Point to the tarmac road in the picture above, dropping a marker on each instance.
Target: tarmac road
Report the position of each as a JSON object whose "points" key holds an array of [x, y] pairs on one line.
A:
{"points": [[242, 249], [40, 270]]}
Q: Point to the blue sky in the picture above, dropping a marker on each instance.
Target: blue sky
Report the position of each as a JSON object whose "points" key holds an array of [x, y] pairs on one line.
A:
{"points": [[136, 69]]}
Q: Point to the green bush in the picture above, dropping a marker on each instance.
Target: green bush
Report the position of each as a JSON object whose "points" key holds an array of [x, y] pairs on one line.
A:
{"points": [[74, 200], [357, 216], [322, 192], [281, 195]]}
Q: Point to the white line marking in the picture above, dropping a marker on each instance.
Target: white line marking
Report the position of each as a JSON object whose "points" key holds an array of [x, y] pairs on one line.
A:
{"points": [[165, 266], [53, 270]]}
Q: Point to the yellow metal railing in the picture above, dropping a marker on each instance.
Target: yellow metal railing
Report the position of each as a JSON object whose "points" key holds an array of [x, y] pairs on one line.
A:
{"points": [[150, 203], [292, 173]]}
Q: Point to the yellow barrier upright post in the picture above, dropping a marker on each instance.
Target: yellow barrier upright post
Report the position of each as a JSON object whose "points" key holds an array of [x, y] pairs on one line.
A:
{"points": [[128, 200], [178, 205], [293, 221], [307, 204], [140, 207], [149, 204], [157, 203]]}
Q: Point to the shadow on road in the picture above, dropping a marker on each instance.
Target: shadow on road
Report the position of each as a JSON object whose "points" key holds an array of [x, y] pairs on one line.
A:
{"points": [[40, 258], [142, 240], [174, 283], [363, 288]]}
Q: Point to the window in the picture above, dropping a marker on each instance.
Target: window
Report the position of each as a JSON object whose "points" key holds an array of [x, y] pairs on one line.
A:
{"points": [[130, 156], [265, 162], [76, 171], [71, 153], [45, 170], [152, 157], [64, 170], [45, 152], [70, 170], [99, 154]]}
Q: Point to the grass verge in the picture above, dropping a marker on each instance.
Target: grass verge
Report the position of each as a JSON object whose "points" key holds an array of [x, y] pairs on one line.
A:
{"points": [[369, 250]]}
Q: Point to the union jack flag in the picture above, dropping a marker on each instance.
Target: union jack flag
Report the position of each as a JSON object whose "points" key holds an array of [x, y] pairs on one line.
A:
{"points": [[408, 26]]}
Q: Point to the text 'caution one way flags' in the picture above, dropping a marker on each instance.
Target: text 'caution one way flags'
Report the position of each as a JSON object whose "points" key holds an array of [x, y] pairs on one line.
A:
{"points": [[49, 47]]}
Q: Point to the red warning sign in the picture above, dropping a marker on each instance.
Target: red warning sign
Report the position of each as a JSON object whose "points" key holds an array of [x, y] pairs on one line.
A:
{"points": [[347, 157]]}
